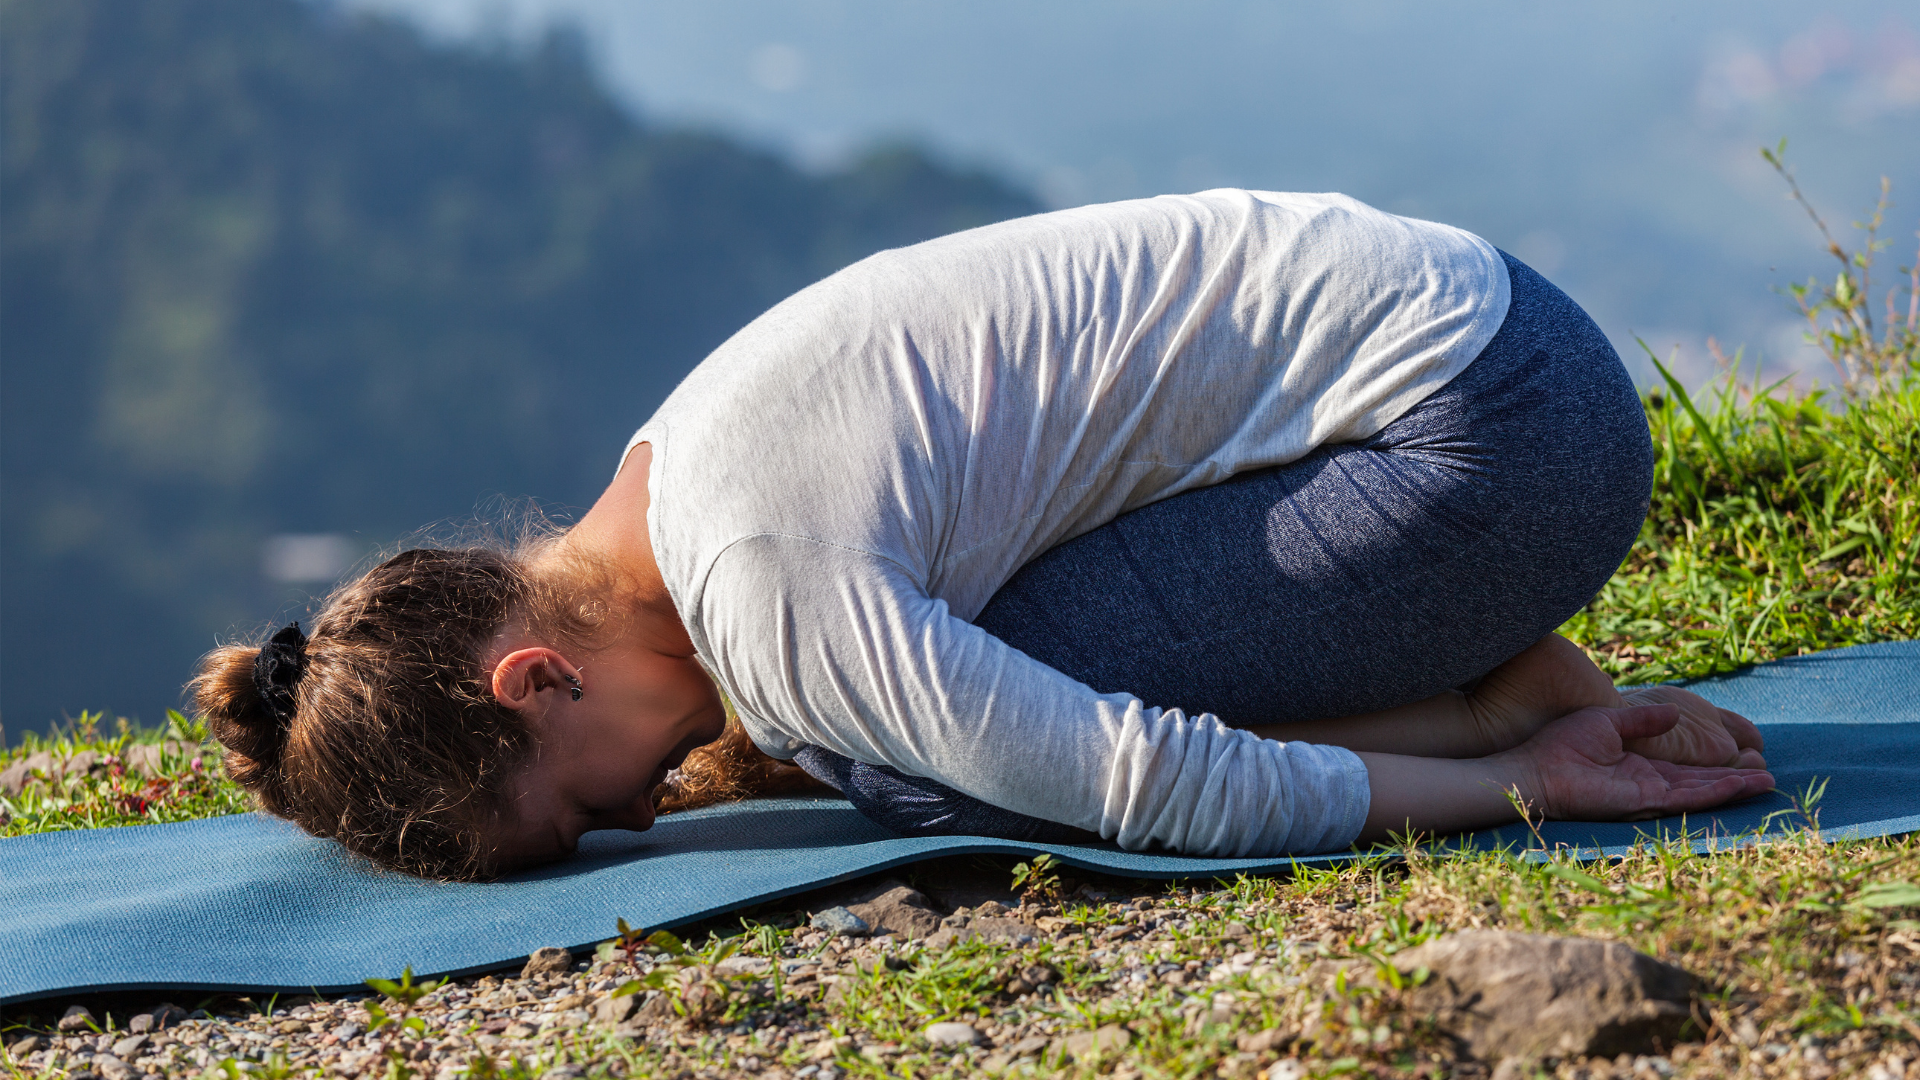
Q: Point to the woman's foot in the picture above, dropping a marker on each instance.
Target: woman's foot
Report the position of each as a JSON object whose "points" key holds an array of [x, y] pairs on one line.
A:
{"points": [[1553, 677]]}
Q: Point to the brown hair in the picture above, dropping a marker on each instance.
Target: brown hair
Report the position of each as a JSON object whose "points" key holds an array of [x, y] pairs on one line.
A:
{"points": [[396, 747]]}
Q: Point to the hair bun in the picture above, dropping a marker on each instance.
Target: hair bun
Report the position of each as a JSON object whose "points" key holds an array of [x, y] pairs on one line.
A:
{"points": [[277, 669]]}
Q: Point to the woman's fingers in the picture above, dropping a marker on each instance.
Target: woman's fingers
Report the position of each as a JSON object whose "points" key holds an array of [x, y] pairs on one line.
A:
{"points": [[1644, 721], [1744, 731], [1682, 800], [1697, 788]]}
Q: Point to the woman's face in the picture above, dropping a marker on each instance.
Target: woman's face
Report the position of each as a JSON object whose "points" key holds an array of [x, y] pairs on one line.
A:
{"points": [[598, 760]]}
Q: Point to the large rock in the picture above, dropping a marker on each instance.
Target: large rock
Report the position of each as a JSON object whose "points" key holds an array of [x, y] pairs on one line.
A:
{"points": [[1530, 996]]}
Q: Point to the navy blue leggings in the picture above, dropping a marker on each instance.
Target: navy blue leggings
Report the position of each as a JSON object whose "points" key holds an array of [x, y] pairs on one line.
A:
{"points": [[1362, 576]]}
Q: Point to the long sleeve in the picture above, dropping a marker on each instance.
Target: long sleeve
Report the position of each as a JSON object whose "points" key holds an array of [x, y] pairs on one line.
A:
{"points": [[850, 654]]}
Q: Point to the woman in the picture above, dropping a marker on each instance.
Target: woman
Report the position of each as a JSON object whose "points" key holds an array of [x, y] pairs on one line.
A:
{"points": [[1232, 524]]}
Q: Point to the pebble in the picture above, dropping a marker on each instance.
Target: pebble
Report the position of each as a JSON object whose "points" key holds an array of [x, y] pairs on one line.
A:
{"points": [[547, 961], [951, 1033], [112, 1068], [1108, 1041], [840, 922], [129, 1046], [77, 1018]]}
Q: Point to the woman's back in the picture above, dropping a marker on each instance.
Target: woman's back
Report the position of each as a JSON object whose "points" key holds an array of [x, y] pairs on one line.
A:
{"points": [[964, 404]]}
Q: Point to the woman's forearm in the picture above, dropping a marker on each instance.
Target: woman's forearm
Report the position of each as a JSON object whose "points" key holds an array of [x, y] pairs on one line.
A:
{"points": [[1436, 797], [1442, 726]]}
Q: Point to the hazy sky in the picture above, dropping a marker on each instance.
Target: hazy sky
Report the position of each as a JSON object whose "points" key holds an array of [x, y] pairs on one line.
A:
{"points": [[1613, 146]]}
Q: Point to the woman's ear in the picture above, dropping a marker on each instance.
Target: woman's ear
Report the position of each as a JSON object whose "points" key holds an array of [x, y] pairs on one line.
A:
{"points": [[521, 675]]}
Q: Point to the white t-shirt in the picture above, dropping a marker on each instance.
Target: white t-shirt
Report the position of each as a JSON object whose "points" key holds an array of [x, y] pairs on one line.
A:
{"points": [[844, 483]]}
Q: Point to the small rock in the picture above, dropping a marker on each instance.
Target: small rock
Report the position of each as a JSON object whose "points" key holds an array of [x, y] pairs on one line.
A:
{"points": [[616, 1010], [112, 1068], [347, 1031], [76, 1018], [13, 779], [26, 1046], [1010, 931], [148, 759], [1259, 1042], [290, 1027], [840, 922], [745, 965], [952, 1034], [1238, 1067], [900, 910], [547, 961], [518, 1030], [1108, 1041], [141, 1023], [1287, 1069], [992, 909], [1039, 974], [129, 1047], [828, 1048], [1236, 931], [166, 1015], [1029, 1046], [658, 1009], [1514, 1068]]}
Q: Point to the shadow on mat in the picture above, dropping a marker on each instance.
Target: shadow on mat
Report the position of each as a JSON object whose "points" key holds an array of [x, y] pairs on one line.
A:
{"points": [[738, 827]]}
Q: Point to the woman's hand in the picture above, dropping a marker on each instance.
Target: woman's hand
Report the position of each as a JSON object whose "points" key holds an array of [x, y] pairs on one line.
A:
{"points": [[1583, 767], [1705, 735]]}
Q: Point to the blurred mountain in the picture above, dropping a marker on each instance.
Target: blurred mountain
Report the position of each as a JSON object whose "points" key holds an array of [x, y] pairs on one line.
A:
{"points": [[280, 284]]}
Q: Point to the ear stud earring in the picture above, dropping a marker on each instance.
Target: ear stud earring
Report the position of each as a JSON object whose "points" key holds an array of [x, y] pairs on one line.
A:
{"points": [[576, 691]]}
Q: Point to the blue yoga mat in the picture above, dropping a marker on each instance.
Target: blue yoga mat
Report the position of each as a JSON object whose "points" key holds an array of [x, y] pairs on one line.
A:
{"points": [[250, 903]]}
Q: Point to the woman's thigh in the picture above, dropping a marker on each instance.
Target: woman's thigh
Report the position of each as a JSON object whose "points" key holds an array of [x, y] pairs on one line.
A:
{"points": [[1370, 574]]}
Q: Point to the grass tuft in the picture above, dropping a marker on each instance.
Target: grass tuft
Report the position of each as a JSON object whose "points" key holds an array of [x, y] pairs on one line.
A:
{"points": [[1778, 526]]}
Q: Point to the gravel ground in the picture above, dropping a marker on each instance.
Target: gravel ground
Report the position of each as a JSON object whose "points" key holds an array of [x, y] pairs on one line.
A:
{"points": [[1128, 979]]}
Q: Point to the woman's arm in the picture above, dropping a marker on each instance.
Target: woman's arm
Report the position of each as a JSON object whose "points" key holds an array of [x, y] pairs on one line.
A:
{"points": [[1577, 767], [1550, 679]]}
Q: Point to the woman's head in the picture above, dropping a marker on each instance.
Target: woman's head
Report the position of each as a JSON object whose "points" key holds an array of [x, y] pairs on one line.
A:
{"points": [[429, 722], [393, 743]]}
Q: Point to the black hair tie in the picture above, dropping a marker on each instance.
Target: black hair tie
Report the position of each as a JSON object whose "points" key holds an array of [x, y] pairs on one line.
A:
{"points": [[277, 670]]}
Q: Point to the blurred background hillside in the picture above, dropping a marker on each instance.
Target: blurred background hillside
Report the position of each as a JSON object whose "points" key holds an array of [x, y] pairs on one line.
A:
{"points": [[284, 280]]}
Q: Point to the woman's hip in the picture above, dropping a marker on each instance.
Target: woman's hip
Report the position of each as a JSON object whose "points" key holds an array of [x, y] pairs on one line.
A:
{"points": [[1367, 574]]}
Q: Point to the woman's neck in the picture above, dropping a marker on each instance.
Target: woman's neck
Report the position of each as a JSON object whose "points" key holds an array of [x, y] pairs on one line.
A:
{"points": [[614, 532]]}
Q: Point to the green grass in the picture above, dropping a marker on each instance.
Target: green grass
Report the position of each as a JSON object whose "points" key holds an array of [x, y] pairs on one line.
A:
{"points": [[1779, 525], [187, 785]]}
